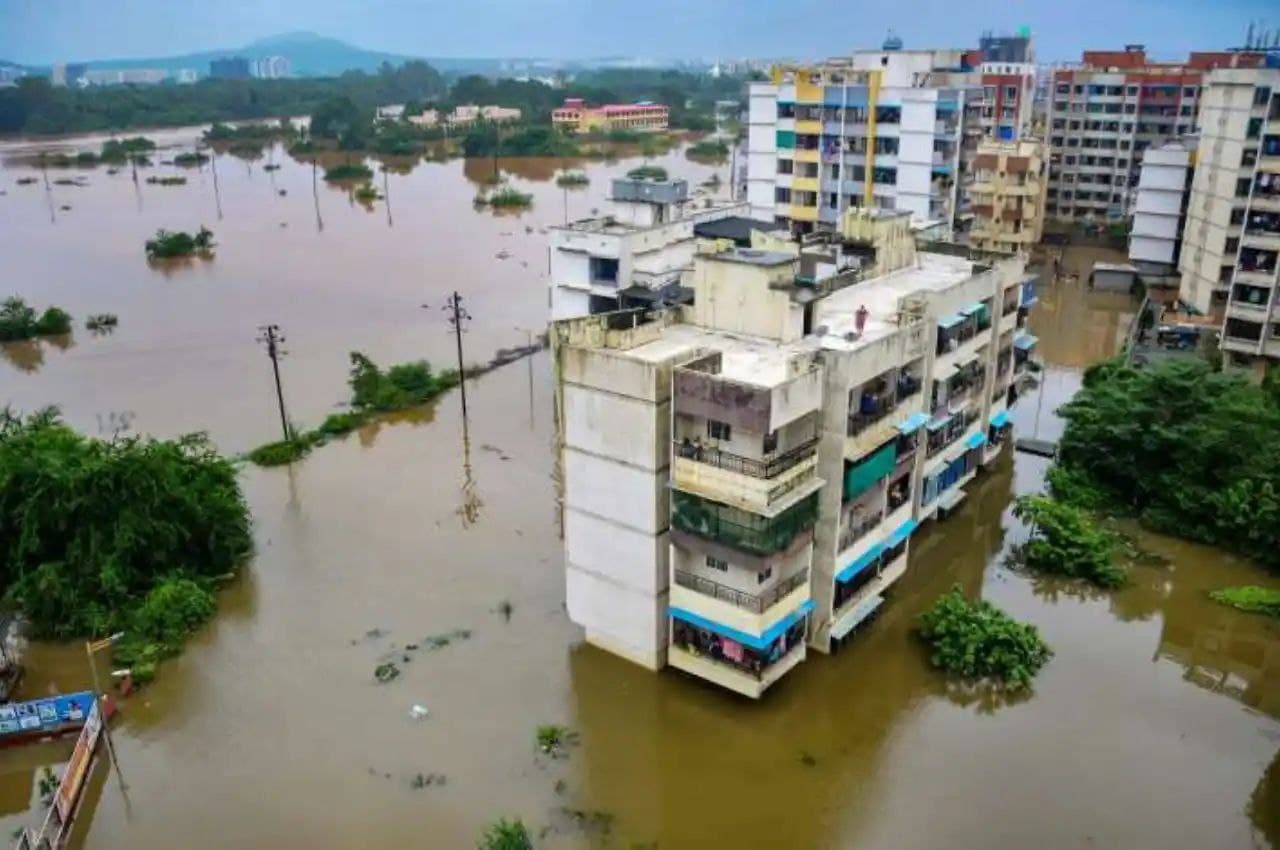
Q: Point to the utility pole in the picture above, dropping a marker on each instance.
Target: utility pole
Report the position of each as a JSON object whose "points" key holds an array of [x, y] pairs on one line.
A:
{"points": [[457, 315], [315, 194], [213, 166], [273, 338]]}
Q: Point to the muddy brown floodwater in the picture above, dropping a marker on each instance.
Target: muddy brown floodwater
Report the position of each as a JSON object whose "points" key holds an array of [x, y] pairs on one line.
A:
{"points": [[1156, 724]]}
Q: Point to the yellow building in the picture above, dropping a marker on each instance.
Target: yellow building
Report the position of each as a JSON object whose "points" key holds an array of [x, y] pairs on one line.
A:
{"points": [[576, 117], [1008, 195]]}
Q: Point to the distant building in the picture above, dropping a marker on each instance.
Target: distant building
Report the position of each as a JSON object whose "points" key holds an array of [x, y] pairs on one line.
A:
{"points": [[122, 76], [470, 113], [186, 76], [576, 117], [271, 68], [1007, 192], [230, 68], [75, 72], [426, 118], [58, 75]]}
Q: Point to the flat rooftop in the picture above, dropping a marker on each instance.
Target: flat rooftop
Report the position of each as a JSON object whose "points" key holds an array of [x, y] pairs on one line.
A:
{"points": [[750, 256], [762, 362]]}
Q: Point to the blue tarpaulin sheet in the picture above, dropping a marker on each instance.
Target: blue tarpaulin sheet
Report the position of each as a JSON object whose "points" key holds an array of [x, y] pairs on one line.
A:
{"points": [[976, 440], [1000, 420], [1025, 342], [860, 563], [758, 642], [913, 422]]}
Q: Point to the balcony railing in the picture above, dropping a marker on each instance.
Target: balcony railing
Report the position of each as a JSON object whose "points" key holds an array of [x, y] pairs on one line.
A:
{"points": [[742, 530], [858, 528], [872, 407], [711, 647], [755, 603], [754, 467]]}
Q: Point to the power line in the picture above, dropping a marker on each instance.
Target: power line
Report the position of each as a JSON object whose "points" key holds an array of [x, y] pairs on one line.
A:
{"points": [[273, 338]]}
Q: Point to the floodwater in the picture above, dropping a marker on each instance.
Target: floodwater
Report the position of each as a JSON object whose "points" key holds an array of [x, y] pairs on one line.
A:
{"points": [[1156, 724]]}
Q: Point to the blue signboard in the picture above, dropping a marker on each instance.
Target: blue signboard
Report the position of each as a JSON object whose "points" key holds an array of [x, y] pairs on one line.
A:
{"points": [[40, 715]]}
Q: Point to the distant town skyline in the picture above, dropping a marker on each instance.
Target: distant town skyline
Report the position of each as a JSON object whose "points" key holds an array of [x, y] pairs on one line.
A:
{"points": [[46, 31]]}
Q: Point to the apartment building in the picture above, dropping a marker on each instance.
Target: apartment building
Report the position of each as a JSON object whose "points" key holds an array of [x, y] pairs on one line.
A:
{"points": [[1007, 194], [892, 129], [742, 476], [1160, 209], [634, 255], [575, 116], [1231, 239], [1107, 111]]}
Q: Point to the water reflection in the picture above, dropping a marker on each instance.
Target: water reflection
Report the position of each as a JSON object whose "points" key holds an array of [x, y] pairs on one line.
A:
{"points": [[1264, 804], [25, 356]]}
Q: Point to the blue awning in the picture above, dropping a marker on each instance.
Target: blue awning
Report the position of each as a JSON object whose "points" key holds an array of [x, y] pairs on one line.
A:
{"points": [[860, 563], [976, 440], [900, 533], [913, 422], [1000, 420], [938, 424], [758, 643], [1025, 342], [948, 322], [971, 309]]}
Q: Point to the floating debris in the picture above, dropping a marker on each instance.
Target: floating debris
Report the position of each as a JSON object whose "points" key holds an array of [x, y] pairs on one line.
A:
{"points": [[808, 759], [418, 711], [434, 642], [26, 181], [555, 740], [425, 780], [505, 609], [386, 671]]}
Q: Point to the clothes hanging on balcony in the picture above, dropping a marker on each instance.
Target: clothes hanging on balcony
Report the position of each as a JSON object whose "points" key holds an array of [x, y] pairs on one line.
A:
{"points": [[731, 650]]}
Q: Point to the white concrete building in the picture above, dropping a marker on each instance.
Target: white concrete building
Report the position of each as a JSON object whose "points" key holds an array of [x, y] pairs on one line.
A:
{"points": [[1231, 241], [742, 476], [636, 254], [1155, 239], [271, 68]]}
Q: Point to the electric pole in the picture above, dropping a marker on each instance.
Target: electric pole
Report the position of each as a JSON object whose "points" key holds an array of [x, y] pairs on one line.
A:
{"points": [[457, 316], [271, 335]]}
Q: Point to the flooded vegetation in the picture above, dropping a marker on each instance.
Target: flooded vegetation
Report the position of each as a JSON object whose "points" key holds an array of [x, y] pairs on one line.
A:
{"points": [[1155, 724]]}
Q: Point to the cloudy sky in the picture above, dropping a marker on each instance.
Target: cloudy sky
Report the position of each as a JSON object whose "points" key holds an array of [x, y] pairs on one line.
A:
{"points": [[41, 31]]}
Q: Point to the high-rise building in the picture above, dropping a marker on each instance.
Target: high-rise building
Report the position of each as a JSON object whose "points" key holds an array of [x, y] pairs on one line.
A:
{"points": [[1107, 111], [890, 129], [1007, 193], [58, 74], [1231, 240], [230, 68], [742, 476], [270, 68]]}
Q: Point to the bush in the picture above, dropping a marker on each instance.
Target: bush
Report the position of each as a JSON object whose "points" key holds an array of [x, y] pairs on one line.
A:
{"points": [[503, 834], [122, 150], [169, 180], [1066, 541], [18, 321], [1255, 600], [507, 197], [572, 180], [708, 149], [170, 244], [190, 158], [367, 194], [101, 322], [88, 528], [337, 424], [978, 641], [648, 172], [348, 171], [1187, 450]]}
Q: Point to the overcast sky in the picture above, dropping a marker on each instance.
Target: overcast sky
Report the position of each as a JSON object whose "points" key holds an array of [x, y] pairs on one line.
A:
{"points": [[41, 31]]}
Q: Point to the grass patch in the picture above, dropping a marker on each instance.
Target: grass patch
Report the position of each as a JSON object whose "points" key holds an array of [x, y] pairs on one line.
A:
{"points": [[1250, 598], [505, 834], [280, 452], [979, 642], [505, 198]]}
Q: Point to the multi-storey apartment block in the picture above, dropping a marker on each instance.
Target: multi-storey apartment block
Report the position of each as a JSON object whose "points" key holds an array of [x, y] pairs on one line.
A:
{"points": [[892, 129], [1160, 210], [1231, 240], [1007, 195], [1106, 112], [742, 476]]}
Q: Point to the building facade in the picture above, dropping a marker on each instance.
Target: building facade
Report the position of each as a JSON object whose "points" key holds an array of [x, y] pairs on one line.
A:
{"points": [[271, 68], [742, 476], [1232, 236], [230, 68], [1007, 194], [1106, 112], [1160, 209], [575, 116], [636, 254]]}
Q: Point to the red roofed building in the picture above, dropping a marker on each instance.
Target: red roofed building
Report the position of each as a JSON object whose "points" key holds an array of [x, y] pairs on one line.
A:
{"points": [[574, 116]]}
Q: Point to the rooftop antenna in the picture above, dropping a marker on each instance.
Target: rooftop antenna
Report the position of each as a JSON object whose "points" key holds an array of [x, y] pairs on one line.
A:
{"points": [[1248, 38]]}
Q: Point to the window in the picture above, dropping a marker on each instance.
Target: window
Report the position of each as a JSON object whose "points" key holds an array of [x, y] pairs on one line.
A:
{"points": [[1261, 95], [1063, 88], [1079, 89], [1189, 91], [1231, 245], [833, 200], [1132, 91], [786, 166], [1242, 187], [1237, 215], [718, 430], [717, 564], [764, 575], [771, 439], [1010, 92], [782, 195], [1184, 110], [1069, 160]]}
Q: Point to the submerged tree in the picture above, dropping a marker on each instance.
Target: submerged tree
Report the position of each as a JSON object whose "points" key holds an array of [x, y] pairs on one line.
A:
{"points": [[1066, 541], [978, 641]]}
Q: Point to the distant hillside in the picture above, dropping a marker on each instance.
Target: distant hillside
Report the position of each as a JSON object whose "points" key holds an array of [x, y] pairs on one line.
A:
{"points": [[309, 55]]}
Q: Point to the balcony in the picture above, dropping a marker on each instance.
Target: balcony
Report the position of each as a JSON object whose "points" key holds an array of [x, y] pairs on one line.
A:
{"points": [[732, 664], [753, 484], [738, 529], [857, 598], [751, 603]]}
